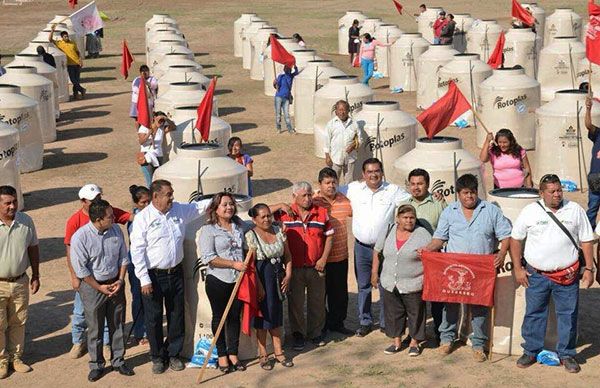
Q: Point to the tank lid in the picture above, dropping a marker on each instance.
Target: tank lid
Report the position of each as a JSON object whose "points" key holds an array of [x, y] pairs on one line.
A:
{"points": [[571, 91], [439, 143], [189, 85], [516, 193], [236, 197], [187, 107], [412, 35], [466, 57], [388, 25], [178, 54], [378, 106], [300, 51], [22, 69], [9, 88], [343, 79], [319, 62], [508, 71], [201, 150], [566, 38], [169, 41], [520, 30], [183, 67], [489, 21], [29, 56]]}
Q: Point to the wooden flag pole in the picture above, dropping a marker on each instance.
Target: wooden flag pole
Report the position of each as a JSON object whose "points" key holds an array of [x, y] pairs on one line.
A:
{"points": [[590, 94], [492, 324], [222, 323], [479, 119], [274, 71]]}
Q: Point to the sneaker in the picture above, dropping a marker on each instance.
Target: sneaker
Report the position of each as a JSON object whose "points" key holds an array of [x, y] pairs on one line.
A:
{"points": [[570, 365], [392, 349], [363, 330], [445, 349], [343, 330], [20, 366], [414, 351], [106, 352], [292, 131], [158, 367], [78, 350], [479, 355], [176, 364], [525, 361], [95, 375], [3, 369], [298, 342], [319, 341]]}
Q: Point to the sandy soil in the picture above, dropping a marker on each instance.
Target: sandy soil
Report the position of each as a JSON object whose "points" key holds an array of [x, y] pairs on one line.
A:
{"points": [[96, 143]]}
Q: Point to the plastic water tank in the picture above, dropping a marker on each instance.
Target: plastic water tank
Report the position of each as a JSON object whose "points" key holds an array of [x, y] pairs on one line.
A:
{"points": [[344, 24], [303, 56], [341, 87], [181, 73], [166, 47], [425, 22], [385, 33], [403, 54], [508, 99], [482, 38], [159, 35], [314, 76], [583, 75], [38, 88], [23, 113], [464, 21], [247, 36], [159, 27], [171, 59], [557, 149], [244, 20], [289, 45], [61, 66], [428, 65], [185, 118], [558, 65], [439, 156], [160, 18], [182, 94], [563, 22], [370, 25], [258, 44], [203, 168], [540, 16], [9, 171], [522, 47]]}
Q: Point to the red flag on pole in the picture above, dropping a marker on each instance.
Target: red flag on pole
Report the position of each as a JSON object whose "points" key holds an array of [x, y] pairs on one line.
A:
{"points": [[398, 6], [126, 60], [72, 3], [144, 116], [592, 36], [459, 278], [205, 111], [522, 14], [247, 293], [497, 58], [444, 111], [280, 55]]}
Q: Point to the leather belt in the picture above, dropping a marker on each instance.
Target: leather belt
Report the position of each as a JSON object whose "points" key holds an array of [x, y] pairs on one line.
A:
{"points": [[109, 281], [168, 270], [364, 245], [13, 279]]}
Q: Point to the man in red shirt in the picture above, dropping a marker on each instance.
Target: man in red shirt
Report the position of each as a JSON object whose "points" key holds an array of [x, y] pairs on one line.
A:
{"points": [[87, 194], [438, 25], [310, 237]]}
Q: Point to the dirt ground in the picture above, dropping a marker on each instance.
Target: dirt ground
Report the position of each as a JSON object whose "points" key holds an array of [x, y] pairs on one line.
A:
{"points": [[96, 143]]}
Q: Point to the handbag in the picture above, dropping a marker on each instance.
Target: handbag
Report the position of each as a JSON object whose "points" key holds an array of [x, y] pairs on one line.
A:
{"points": [[278, 266], [594, 182]]}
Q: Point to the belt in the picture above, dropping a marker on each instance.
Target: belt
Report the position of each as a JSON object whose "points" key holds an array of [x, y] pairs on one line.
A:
{"points": [[13, 279], [167, 270], [365, 245], [109, 281]]}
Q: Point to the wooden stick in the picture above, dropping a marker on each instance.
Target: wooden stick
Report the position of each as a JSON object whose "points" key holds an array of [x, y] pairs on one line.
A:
{"points": [[274, 71], [479, 119], [222, 323], [492, 323], [590, 94]]}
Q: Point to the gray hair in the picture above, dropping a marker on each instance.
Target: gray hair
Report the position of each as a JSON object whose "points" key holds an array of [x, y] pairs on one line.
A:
{"points": [[302, 185]]}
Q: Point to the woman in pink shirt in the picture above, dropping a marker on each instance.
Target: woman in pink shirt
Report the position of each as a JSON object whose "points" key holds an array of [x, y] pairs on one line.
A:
{"points": [[509, 160], [367, 56]]}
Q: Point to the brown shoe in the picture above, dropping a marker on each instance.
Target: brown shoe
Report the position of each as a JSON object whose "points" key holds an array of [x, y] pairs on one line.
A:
{"points": [[20, 366], [78, 350], [445, 349], [479, 355], [3, 369]]}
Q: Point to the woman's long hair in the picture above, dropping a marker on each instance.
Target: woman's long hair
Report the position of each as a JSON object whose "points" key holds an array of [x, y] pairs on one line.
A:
{"points": [[214, 204], [514, 149], [368, 37]]}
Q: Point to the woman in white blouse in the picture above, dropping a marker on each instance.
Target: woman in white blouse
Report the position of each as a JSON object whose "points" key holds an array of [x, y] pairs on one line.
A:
{"points": [[151, 141]]}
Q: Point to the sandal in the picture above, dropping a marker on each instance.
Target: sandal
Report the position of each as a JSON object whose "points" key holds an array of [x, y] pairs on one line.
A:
{"points": [[225, 369], [285, 362], [238, 366], [265, 362]]}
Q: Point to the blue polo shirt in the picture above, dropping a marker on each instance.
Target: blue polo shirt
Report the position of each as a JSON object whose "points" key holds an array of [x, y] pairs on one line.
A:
{"points": [[284, 84], [478, 236], [595, 138]]}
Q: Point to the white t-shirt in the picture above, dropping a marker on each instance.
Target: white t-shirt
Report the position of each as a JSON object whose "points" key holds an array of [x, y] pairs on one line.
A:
{"points": [[547, 247], [149, 145]]}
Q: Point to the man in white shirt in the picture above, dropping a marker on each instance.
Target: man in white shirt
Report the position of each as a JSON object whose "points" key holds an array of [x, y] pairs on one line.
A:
{"points": [[157, 252], [342, 142], [551, 268], [373, 202]]}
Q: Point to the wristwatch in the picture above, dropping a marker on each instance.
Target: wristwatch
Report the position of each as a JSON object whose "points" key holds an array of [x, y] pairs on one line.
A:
{"points": [[592, 270]]}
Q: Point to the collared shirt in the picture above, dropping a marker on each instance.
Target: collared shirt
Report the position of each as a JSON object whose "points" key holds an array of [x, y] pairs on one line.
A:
{"points": [[306, 237], [98, 254], [70, 50], [479, 236], [215, 241], [341, 134], [79, 218], [372, 210], [14, 241], [152, 83], [284, 84], [339, 211], [428, 211], [157, 239], [548, 248]]}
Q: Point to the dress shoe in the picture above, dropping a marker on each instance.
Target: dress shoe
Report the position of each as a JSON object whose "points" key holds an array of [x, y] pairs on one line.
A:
{"points": [[95, 375], [158, 367], [20, 366], [570, 365], [125, 370], [526, 361], [176, 364], [78, 350], [363, 330]]}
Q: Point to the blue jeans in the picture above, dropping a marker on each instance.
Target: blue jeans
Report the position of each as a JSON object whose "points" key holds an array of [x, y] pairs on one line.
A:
{"points": [[368, 65], [537, 297], [148, 170], [593, 205], [478, 323], [437, 40], [282, 103], [137, 311], [363, 261], [78, 324]]}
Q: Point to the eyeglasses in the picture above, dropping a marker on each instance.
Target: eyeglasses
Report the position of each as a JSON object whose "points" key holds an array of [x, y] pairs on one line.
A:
{"points": [[550, 178]]}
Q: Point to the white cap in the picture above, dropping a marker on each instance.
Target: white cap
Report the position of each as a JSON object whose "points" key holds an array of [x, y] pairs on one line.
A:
{"points": [[89, 192]]}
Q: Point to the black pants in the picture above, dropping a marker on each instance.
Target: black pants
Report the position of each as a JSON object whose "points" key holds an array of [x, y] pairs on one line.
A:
{"points": [[167, 288], [437, 309], [218, 293], [336, 289], [75, 77], [403, 310]]}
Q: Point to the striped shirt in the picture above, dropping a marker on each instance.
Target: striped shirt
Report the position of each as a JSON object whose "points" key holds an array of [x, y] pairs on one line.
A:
{"points": [[339, 211]]}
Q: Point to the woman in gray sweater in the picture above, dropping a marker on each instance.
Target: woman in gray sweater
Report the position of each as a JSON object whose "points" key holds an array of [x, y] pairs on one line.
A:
{"points": [[402, 279]]}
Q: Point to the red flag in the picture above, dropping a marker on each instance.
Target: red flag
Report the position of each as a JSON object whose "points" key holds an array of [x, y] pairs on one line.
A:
{"points": [[522, 14], [592, 36], [248, 294], [398, 6], [497, 58], [356, 62], [280, 55], [144, 116], [444, 111], [459, 278], [126, 60], [205, 111], [72, 3]]}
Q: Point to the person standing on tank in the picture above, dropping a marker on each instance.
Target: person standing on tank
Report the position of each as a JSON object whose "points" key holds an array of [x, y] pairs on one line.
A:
{"points": [[74, 60], [353, 40], [283, 97]]}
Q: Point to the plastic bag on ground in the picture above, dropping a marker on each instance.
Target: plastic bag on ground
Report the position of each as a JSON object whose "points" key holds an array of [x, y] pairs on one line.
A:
{"points": [[200, 352], [546, 357]]}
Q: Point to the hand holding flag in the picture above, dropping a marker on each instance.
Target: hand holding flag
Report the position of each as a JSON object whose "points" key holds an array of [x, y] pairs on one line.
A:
{"points": [[444, 111], [205, 111], [126, 60], [279, 54]]}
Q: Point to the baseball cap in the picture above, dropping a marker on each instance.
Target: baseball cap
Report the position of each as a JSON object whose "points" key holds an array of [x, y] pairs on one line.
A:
{"points": [[89, 192]]}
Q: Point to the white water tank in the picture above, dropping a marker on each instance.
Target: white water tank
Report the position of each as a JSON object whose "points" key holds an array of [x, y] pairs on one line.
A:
{"points": [[540, 16], [164, 47], [439, 156], [243, 21], [159, 27], [563, 22], [344, 24], [217, 172], [159, 35], [425, 22], [558, 65], [508, 99], [341, 87], [247, 36], [23, 113], [583, 75], [160, 18], [171, 59], [467, 71], [482, 38], [303, 56], [61, 66], [182, 94], [385, 33], [370, 25], [464, 21], [557, 149], [38, 88], [428, 65], [389, 133], [289, 45], [9, 171], [185, 118], [181, 73], [314, 76], [403, 54], [522, 47], [258, 44]]}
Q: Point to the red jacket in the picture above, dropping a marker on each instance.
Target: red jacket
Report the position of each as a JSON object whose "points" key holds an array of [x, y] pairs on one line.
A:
{"points": [[437, 27]]}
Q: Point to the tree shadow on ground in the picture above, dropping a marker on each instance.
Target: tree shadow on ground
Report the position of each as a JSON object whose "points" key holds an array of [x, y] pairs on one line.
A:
{"points": [[76, 133], [269, 185], [200, 54], [589, 299], [96, 79], [91, 96], [49, 197], [220, 92], [69, 117], [256, 148], [238, 127], [55, 157], [207, 66], [52, 248], [230, 110], [99, 68]]}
